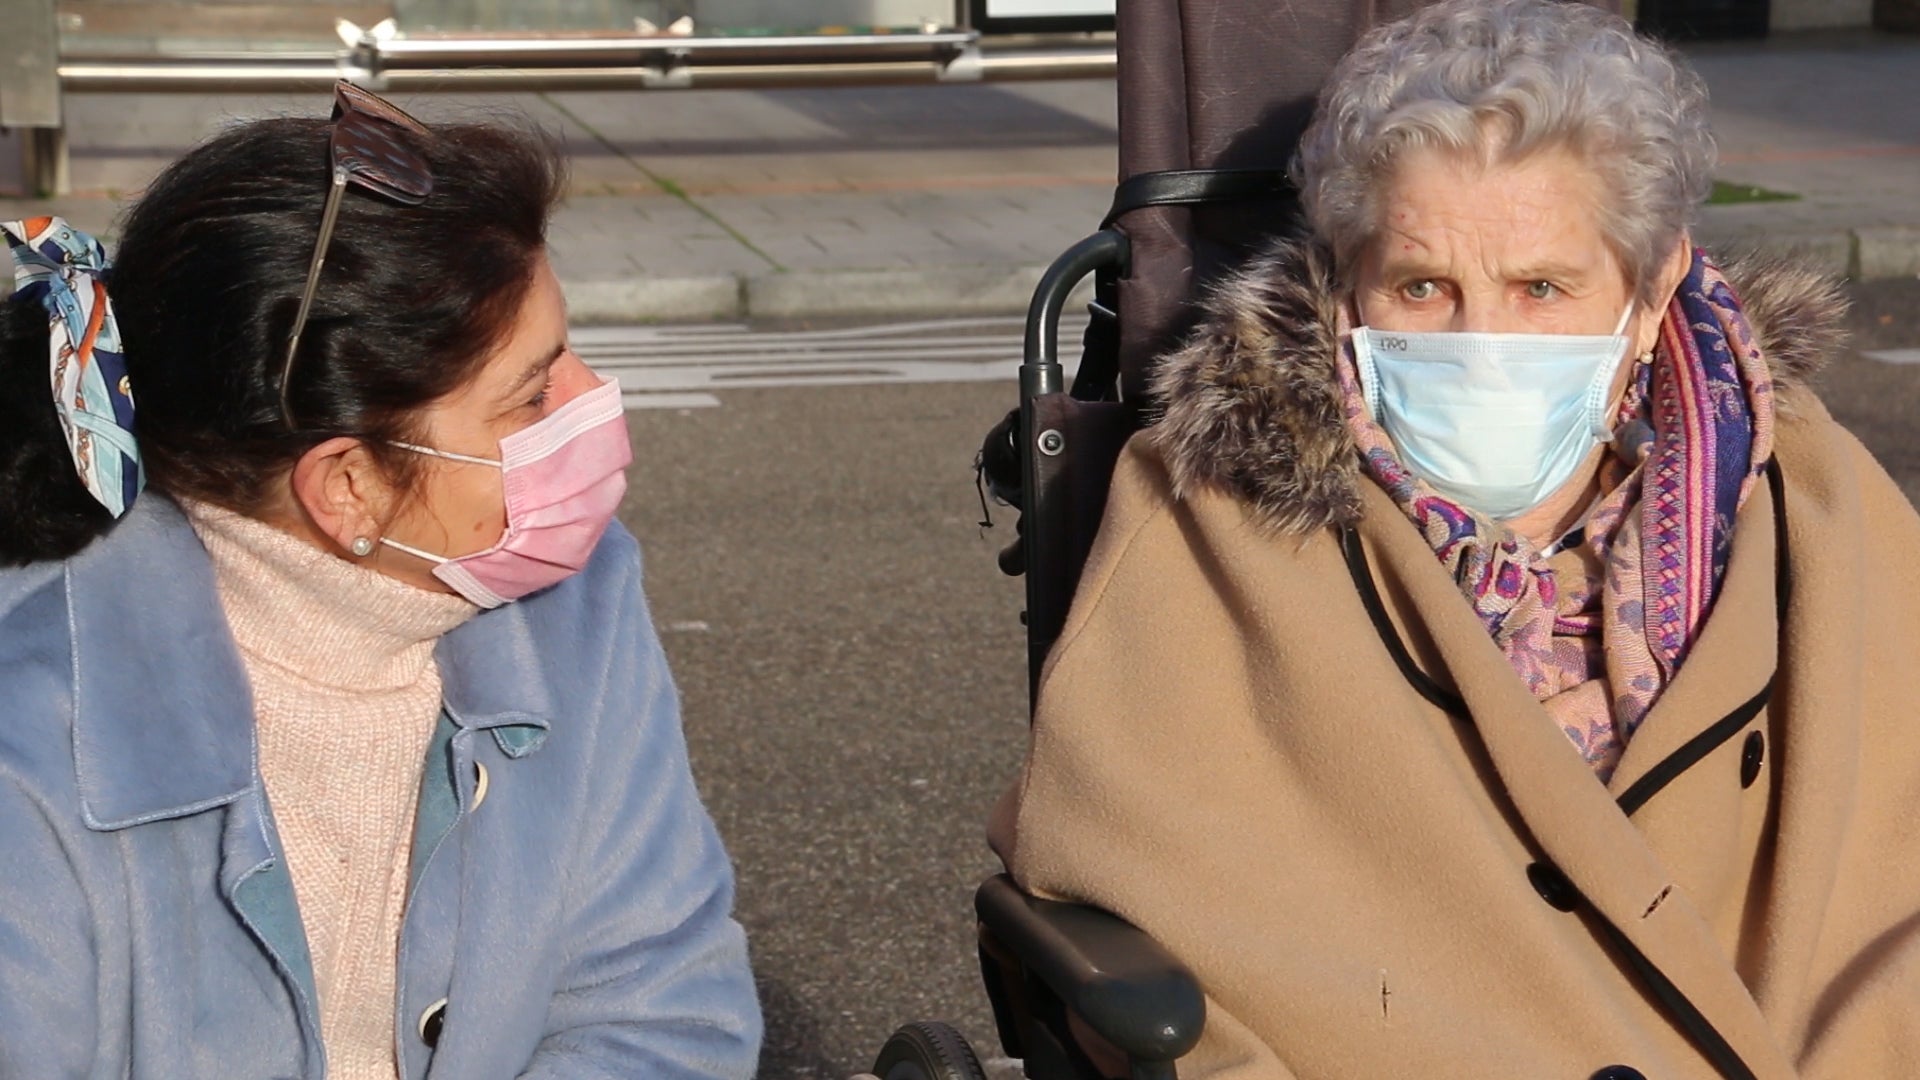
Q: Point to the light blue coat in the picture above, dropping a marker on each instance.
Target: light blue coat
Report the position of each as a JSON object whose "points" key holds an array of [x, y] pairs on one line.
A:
{"points": [[576, 925]]}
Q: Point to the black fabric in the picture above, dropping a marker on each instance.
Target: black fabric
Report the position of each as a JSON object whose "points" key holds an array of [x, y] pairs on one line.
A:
{"points": [[1193, 187], [1210, 84], [1098, 376]]}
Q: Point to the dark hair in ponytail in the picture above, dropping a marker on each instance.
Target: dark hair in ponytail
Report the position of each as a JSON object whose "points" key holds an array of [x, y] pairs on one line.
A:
{"points": [[45, 512], [206, 282]]}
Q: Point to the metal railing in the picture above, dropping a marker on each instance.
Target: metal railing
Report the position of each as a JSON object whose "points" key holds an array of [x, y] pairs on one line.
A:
{"points": [[381, 59]]}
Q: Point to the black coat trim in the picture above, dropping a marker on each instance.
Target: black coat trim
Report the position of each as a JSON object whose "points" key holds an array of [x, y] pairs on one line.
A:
{"points": [[1698, 1029], [1437, 696], [1692, 751]]}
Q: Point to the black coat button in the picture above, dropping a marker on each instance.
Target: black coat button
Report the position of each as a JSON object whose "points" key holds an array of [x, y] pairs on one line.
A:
{"points": [[1751, 755], [1619, 1072], [1553, 886], [431, 1021]]}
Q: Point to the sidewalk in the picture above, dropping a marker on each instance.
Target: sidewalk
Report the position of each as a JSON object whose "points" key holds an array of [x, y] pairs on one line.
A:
{"points": [[731, 204]]}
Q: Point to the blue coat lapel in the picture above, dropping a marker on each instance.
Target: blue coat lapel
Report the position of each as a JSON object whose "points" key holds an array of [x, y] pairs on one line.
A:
{"points": [[163, 717]]}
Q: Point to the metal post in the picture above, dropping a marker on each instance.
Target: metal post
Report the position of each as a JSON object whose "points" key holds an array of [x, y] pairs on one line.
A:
{"points": [[44, 161], [30, 91]]}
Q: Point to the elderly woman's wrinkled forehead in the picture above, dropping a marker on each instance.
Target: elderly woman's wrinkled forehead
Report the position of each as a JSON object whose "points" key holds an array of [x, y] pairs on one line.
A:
{"points": [[1502, 79]]}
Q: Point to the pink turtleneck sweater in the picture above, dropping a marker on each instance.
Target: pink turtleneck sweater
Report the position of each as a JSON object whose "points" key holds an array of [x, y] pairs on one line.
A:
{"points": [[345, 697]]}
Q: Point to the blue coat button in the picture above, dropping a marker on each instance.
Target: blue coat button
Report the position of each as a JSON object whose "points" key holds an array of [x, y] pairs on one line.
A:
{"points": [[431, 1021]]}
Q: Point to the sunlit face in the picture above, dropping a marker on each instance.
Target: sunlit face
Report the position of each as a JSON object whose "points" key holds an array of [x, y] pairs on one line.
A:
{"points": [[1511, 247], [1506, 248], [459, 508]]}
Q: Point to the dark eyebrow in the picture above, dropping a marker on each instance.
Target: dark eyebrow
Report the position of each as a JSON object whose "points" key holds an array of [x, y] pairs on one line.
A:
{"points": [[534, 371]]}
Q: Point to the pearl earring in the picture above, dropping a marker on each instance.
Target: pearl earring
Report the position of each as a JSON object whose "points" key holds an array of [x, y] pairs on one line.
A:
{"points": [[362, 546]]}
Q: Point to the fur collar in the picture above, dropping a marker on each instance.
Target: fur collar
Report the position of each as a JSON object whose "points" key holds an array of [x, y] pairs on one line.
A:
{"points": [[1250, 403]]}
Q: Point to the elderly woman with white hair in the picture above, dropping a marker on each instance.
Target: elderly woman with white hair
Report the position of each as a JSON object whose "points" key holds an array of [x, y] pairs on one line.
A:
{"points": [[1493, 662]]}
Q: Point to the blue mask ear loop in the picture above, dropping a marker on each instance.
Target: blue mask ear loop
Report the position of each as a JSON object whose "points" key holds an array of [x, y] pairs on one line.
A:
{"points": [[1599, 403]]}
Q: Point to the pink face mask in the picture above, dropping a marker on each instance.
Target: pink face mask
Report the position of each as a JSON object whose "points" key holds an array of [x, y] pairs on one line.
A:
{"points": [[563, 477]]}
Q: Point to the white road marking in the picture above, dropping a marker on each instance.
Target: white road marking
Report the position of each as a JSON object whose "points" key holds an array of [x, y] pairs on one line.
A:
{"points": [[1894, 356], [680, 367], [633, 399]]}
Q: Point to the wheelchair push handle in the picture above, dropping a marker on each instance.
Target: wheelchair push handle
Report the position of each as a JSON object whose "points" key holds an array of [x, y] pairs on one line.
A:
{"points": [[1040, 369]]}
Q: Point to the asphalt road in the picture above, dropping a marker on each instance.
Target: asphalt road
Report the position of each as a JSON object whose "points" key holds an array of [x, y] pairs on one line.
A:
{"points": [[850, 664], [849, 661]]}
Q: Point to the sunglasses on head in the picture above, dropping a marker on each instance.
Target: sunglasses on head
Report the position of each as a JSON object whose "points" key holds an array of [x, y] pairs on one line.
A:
{"points": [[368, 147]]}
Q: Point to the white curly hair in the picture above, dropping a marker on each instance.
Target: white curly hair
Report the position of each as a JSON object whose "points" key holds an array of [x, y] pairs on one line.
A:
{"points": [[1502, 79]]}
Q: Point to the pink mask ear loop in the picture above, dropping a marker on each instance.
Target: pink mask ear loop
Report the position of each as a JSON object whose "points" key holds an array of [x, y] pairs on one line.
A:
{"points": [[437, 560], [448, 454]]}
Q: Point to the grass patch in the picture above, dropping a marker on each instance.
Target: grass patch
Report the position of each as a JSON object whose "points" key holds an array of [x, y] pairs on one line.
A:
{"points": [[1726, 194]]}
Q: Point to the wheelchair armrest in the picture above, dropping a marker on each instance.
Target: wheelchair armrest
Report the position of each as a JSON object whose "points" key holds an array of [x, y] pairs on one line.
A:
{"points": [[1121, 983]]}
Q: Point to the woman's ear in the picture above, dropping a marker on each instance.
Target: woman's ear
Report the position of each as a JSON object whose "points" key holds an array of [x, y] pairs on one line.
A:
{"points": [[1673, 271], [342, 491]]}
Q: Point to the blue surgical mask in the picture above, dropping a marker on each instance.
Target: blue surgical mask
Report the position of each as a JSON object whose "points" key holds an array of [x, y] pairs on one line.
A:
{"points": [[1494, 422]]}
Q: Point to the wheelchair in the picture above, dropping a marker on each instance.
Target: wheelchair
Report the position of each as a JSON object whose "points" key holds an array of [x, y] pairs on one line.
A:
{"points": [[1213, 95]]}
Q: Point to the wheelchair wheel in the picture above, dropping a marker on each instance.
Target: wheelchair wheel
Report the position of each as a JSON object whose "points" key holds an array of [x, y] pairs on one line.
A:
{"points": [[925, 1050]]}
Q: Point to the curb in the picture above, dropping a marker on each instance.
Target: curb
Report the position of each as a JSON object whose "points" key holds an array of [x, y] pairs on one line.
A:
{"points": [[959, 290], [644, 299], [1862, 254], [951, 290], [1889, 251]]}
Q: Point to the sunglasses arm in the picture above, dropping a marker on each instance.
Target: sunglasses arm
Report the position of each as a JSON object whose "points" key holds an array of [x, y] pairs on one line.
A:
{"points": [[327, 217]]}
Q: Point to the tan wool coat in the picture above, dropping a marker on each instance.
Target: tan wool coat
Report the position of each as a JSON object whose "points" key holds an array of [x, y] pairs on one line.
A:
{"points": [[1375, 882]]}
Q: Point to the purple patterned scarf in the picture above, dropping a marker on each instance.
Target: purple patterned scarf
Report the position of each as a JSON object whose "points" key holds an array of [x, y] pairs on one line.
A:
{"points": [[1598, 629]]}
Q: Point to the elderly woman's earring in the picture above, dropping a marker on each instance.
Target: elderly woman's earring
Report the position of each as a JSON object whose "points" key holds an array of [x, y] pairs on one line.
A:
{"points": [[362, 546]]}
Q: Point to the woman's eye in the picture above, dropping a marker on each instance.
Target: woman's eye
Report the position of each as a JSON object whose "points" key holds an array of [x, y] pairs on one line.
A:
{"points": [[1540, 290], [540, 399], [1421, 290]]}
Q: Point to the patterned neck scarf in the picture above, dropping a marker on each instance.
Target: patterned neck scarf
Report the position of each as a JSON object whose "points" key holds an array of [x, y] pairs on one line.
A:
{"points": [[62, 268], [1597, 628]]}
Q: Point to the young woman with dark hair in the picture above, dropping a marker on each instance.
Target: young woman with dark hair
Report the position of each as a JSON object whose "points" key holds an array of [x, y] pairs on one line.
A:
{"points": [[346, 748]]}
